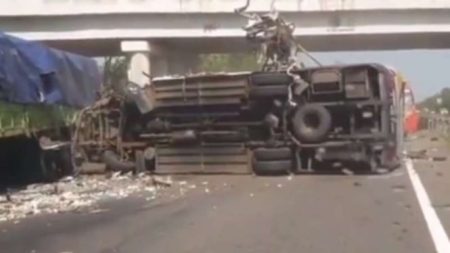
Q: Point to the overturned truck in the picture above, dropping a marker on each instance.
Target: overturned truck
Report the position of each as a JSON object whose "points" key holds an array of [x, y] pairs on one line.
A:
{"points": [[284, 118], [262, 122]]}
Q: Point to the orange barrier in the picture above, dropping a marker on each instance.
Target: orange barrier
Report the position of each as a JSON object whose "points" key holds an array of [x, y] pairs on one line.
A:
{"points": [[411, 114]]}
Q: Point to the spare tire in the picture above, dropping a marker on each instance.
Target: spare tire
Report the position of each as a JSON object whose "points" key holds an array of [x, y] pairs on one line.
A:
{"points": [[311, 123]]}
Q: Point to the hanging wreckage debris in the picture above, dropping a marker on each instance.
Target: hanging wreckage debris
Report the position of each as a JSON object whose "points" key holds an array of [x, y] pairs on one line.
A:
{"points": [[279, 50], [285, 118]]}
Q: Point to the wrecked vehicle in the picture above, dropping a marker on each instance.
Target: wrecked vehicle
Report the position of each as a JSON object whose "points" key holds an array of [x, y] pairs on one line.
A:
{"points": [[265, 121], [284, 118], [40, 90]]}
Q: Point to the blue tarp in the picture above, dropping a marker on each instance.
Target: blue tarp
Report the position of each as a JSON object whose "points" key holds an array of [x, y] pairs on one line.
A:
{"points": [[32, 73]]}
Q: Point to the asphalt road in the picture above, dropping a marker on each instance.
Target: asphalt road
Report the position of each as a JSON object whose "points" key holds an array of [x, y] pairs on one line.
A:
{"points": [[306, 213]]}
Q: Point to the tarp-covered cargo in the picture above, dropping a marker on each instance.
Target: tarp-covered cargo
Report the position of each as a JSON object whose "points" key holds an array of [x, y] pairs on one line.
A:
{"points": [[31, 73]]}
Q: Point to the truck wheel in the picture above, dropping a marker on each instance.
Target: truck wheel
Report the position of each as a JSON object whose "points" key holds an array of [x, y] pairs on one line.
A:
{"points": [[55, 164], [272, 167], [140, 161], [261, 79], [113, 162], [311, 123], [270, 154], [145, 160]]}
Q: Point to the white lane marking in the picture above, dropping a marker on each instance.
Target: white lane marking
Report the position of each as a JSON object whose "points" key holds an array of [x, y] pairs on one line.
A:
{"points": [[437, 231]]}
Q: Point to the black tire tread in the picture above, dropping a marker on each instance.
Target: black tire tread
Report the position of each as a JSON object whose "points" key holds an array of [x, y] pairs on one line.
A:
{"points": [[272, 167], [272, 154], [304, 133]]}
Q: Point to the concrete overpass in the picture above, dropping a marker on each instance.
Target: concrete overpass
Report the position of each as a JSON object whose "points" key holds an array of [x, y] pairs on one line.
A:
{"points": [[96, 27], [183, 28]]}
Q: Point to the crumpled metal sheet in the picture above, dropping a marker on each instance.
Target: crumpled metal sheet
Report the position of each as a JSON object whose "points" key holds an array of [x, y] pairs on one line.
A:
{"points": [[76, 194]]}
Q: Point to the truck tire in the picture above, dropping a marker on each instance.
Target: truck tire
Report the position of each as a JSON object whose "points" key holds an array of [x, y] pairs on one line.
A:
{"points": [[113, 162], [55, 164], [272, 154], [261, 79], [272, 167], [311, 123]]}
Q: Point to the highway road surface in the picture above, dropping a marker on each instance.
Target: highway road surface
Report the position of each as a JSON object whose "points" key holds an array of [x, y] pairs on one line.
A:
{"points": [[401, 212]]}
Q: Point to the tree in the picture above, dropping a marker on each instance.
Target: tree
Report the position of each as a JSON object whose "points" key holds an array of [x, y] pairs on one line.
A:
{"points": [[431, 103], [115, 71]]}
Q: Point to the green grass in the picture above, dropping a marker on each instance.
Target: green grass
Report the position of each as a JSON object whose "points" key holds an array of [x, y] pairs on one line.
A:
{"points": [[18, 119]]}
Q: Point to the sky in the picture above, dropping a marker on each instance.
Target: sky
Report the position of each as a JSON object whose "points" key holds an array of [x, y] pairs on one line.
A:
{"points": [[427, 70]]}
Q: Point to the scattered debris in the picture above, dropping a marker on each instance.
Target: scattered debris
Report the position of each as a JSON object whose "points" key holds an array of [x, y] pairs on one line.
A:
{"points": [[99, 210], [163, 181], [417, 154], [422, 154], [251, 195], [76, 194], [289, 178], [434, 139], [279, 185], [347, 171], [398, 188], [8, 197], [439, 158], [356, 183], [206, 190]]}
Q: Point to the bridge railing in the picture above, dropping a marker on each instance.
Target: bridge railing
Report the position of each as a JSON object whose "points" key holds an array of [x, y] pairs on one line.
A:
{"points": [[73, 7]]}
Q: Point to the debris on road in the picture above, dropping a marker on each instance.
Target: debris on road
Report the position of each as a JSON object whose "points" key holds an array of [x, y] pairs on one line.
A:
{"points": [[417, 154], [77, 194], [163, 181], [439, 158], [347, 171], [423, 154], [357, 184], [398, 188]]}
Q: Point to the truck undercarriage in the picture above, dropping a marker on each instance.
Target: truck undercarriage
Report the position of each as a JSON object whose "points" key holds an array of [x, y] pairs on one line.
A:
{"points": [[265, 122]]}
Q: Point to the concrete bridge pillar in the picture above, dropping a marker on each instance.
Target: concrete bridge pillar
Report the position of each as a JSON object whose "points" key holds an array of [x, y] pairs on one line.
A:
{"points": [[139, 63], [157, 60]]}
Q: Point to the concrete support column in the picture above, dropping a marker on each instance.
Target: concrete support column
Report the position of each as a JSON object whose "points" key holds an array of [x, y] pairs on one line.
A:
{"points": [[157, 60], [139, 63]]}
